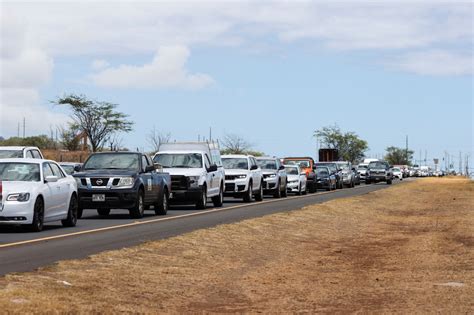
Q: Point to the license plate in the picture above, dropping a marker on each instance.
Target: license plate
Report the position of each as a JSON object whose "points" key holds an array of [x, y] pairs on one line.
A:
{"points": [[98, 198]]}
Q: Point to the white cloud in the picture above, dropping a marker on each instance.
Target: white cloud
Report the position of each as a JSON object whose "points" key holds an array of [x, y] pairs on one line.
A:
{"points": [[167, 69], [435, 62], [99, 64]]}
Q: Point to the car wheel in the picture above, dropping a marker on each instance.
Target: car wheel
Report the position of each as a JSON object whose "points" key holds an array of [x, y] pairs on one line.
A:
{"points": [[389, 182], [202, 203], [249, 194], [79, 212], [139, 209], [277, 193], [367, 181], [38, 216], [259, 195], [218, 200], [162, 207], [103, 211], [284, 192], [71, 219], [313, 188]]}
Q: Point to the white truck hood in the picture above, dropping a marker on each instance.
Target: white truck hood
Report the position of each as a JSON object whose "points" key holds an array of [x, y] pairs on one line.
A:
{"points": [[236, 172], [185, 171]]}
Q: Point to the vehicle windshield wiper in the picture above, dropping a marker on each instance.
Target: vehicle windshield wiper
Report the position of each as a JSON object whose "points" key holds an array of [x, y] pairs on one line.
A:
{"points": [[181, 166]]}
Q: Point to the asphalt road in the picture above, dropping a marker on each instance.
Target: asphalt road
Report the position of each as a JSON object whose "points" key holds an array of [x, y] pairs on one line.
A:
{"points": [[22, 251]]}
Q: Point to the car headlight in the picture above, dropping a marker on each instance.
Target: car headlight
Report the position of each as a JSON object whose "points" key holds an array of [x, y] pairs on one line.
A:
{"points": [[271, 176], [22, 197], [293, 181], [240, 176], [126, 181], [193, 181]]}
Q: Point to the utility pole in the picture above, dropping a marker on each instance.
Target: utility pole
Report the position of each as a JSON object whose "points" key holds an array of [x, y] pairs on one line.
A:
{"points": [[18, 133], [24, 126], [406, 151], [460, 162], [210, 134]]}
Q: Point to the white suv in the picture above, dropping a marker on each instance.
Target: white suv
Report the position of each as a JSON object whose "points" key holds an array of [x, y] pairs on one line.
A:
{"points": [[243, 177], [8, 152]]}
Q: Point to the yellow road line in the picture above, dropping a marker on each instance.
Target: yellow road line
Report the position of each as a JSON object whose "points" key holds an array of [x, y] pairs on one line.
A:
{"points": [[164, 219]]}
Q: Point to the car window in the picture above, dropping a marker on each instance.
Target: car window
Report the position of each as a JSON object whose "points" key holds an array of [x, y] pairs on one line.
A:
{"points": [[235, 163], [207, 162], [36, 154], [29, 155], [144, 163], [56, 170], [47, 171]]}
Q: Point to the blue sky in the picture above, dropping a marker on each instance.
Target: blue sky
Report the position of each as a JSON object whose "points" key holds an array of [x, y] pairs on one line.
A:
{"points": [[273, 78]]}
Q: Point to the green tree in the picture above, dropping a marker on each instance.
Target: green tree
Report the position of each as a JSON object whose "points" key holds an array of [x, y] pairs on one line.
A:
{"points": [[41, 141], [235, 144], [69, 138], [99, 120], [398, 156], [349, 146]]}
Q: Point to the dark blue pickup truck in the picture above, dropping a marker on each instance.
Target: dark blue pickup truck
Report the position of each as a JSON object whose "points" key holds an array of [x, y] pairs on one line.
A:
{"points": [[122, 180]]}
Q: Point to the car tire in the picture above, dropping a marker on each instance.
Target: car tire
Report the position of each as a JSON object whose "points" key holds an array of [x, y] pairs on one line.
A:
{"points": [[389, 182], [249, 193], [313, 188], [71, 219], [202, 202], [103, 211], [284, 192], [277, 193], [161, 208], [218, 200], [138, 210], [259, 195], [80, 211], [299, 191], [367, 181], [38, 216]]}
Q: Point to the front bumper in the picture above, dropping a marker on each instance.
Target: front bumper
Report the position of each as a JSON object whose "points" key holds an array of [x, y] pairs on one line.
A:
{"points": [[293, 187], [184, 196], [270, 184], [114, 198], [14, 212], [378, 178], [235, 187], [324, 183]]}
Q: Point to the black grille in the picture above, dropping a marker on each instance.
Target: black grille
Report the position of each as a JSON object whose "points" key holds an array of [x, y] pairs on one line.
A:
{"points": [[179, 182], [83, 182], [230, 187], [99, 181], [230, 177]]}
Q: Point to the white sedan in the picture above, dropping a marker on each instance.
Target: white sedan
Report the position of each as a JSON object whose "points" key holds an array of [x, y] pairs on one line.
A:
{"points": [[397, 173], [296, 179], [35, 191]]}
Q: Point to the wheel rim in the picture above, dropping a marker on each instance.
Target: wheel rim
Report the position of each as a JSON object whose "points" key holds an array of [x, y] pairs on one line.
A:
{"points": [[39, 215], [73, 209], [165, 202], [140, 204]]}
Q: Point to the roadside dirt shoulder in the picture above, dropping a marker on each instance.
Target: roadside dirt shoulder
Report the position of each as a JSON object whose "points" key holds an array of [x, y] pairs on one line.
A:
{"points": [[406, 249]]}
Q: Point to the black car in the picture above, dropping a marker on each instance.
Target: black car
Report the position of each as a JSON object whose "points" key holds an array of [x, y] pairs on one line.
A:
{"points": [[325, 179], [336, 170], [122, 180]]}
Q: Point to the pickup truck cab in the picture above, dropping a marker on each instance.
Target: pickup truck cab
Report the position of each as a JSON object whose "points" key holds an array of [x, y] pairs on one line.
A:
{"points": [[122, 180], [307, 165], [274, 176], [243, 177], [196, 172], [8, 152]]}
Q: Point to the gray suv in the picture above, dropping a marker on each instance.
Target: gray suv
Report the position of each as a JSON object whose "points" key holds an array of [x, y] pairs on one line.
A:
{"points": [[348, 179], [274, 176], [379, 171]]}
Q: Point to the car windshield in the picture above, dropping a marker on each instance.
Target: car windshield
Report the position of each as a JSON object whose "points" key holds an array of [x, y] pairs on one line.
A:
{"points": [[396, 169], [235, 163], [6, 154], [344, 166], [69, 169], [320, 171], [377, 165], [110, 161], [21, 172], [302, 163], [331, 166], [292, 170], [179, 160], [267, 164]]}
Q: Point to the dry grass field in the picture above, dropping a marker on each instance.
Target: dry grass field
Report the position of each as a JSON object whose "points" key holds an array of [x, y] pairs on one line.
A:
{"points": [[407, 249]]}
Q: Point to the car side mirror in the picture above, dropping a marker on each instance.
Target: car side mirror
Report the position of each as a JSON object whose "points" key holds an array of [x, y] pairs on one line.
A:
{"points": [[281, 168], [212, 168], [391, 166], [158, 167], [51, 179], [77, 168], [354, 169], [254, 167], [149, 168]]}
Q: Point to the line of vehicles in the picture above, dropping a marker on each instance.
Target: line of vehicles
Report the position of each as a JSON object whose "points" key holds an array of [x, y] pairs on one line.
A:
{"points": [[34, 191]]}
